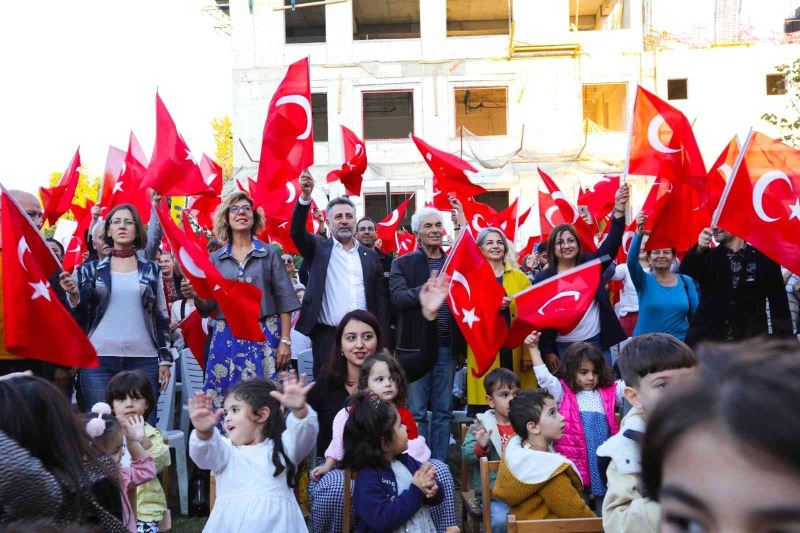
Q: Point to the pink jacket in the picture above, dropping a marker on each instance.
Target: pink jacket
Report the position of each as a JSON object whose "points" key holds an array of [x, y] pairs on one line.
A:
{"points": [[572, 444], [140, 472]]}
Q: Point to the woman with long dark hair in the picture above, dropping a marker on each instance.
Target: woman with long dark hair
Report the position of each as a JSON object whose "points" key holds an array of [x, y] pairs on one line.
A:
{"points": [[120, 303]]}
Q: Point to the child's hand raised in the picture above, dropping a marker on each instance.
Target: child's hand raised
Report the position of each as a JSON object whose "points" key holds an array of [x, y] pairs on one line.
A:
{"points": [[532, 340], [203, 415], [294, 393], [133, 427], [482, 435]]}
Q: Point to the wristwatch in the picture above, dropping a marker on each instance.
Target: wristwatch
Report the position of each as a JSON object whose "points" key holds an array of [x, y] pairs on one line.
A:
{"points": [[286, 340]]}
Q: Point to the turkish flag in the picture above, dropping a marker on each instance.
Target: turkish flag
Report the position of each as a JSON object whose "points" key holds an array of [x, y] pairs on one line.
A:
{"points": [[37, 324], [174, 170], [528, 248], [569, 213], [450, 175], [240, 302], [653, 204], [387, 227], [479, 215], [761, 202], [405, 242], [115, 162], [129, 187], [287, 146], [660, 134], [73, 255], [200, 238], [202, 206], [57, 200], [508, 220], [194, 329], [352, 171], [475, 297], [599, 198], [555, 303]]}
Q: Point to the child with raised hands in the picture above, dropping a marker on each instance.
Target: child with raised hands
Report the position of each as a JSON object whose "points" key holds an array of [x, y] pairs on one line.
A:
{"points": [[256, 463], [393, 490], [109, 436], [587, 396]]}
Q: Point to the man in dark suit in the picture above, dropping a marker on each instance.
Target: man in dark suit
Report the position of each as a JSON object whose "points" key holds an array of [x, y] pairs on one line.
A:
{"points": [[409, 274], [343, 274]]}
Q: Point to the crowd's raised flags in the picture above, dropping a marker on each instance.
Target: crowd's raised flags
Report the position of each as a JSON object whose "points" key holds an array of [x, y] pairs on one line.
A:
{"points": [[761, 201], [478, 214], [239, 302], [660, 134], [509, 220], [405, 242], [30, 302], [451, 175], [115, 162], [387, 227], [202, 206], [556, 303], [194, 330], [720, 172], [287, 146], [199, 237], [528, 248], [569, 213], [355, 163], [129, 187], [174, 170], [474, 298], [599, 198], [73, 252], [58, 199]]}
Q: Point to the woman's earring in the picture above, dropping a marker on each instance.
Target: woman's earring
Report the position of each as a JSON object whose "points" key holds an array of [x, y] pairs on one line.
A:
{"points": [[342, 352]]}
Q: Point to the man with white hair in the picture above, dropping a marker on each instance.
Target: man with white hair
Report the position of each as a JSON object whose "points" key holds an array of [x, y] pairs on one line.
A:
{"points": [[430, 366]]}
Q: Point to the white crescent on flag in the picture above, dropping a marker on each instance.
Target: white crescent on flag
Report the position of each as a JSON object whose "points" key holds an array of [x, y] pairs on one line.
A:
{"points": [[189, 264], [563, 294], [725, 169], [761, 186], [599, 181], [292, 192], [655, 140], [558, 195], [22, 246], [303, 102], [458, 277], [392, 220], [475, 224]]}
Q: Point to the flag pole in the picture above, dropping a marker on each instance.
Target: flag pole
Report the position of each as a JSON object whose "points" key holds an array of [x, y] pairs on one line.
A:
{"points": [[630, 139], [729, 184]]}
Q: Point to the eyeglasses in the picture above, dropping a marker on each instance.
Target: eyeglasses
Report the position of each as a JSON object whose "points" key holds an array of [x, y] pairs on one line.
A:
{"points": [[243, 209], [122, 222]]}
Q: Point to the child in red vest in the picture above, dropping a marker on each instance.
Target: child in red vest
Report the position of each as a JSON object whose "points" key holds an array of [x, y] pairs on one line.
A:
{"points": [[586, 396]]}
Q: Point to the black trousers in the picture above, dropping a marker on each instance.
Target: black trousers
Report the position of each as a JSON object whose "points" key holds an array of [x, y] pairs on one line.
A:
{"points": [[323, 339]]}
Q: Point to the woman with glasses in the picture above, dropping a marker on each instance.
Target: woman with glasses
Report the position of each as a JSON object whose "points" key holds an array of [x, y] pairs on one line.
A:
{"points": [[246, 259], [667, 300], [599, 326], [120, 303]]}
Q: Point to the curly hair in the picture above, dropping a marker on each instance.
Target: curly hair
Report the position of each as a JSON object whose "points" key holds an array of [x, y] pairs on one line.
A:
{"points": [[396, 372], [573, 357], [369, 426], [222, 227], [255, 392]]}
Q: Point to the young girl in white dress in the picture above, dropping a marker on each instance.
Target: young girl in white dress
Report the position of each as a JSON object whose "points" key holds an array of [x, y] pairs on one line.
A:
{"points": [[256, 464]]}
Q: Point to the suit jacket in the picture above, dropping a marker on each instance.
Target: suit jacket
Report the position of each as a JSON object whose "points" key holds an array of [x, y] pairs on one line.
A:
{"points": [[317, 251], [727, 314], [409, 274]]}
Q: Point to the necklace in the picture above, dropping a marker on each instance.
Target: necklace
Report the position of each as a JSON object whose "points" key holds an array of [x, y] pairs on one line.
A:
{"points": [[130, 252]]}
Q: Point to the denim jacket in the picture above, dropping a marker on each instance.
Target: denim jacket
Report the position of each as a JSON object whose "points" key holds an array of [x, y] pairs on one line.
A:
{"points": [[94, 287]]}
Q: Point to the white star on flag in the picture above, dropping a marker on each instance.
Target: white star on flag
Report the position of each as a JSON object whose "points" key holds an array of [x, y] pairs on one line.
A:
{"points": [[470, 317], [117, 187], [40, 289], [190, 157], [795, 209]]}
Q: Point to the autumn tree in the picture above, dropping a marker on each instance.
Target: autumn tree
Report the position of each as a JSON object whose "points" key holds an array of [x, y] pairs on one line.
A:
{"points": [[88, 188], [224, 141], [788, 125]]}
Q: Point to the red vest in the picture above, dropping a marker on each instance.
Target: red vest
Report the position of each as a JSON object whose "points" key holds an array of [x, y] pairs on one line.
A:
{"points": [[572, 444]]}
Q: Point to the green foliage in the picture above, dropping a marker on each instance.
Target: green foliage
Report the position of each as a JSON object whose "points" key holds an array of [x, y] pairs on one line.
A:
{"points": [[789, 125]]}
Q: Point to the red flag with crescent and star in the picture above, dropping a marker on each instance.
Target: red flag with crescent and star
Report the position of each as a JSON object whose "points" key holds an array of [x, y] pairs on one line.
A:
{"points": [[287, 145], [355, 163], [129, 187], [115, 162], [761, 202], [451, 175], [58, 199], [555, 303], [405, 242], [202, 206], [387, 227], [37, 325], [475, 297], [599, 198], [240, 302], [569, 213]]}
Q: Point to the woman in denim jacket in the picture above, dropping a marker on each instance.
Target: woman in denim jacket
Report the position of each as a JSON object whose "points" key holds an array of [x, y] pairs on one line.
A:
{"points": [[129, 325]]}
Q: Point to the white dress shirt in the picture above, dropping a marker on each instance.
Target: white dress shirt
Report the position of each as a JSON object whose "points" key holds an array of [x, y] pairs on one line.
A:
{"points": [[344, 285]]}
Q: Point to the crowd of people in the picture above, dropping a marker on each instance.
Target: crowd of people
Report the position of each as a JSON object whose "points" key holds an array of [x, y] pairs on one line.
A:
{"points": [[668, 408]]}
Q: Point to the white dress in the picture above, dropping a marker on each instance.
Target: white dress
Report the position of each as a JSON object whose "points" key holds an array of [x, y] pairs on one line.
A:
{"points": [[249, 497]]}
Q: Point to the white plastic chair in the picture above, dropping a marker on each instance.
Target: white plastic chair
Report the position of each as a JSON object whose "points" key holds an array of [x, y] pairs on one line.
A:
{"points": [[193, 378], [305, 363], [165, 412]]}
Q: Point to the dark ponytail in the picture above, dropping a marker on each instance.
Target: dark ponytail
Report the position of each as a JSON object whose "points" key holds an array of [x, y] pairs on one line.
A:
{"points": [[255, 393], [369, 426]]}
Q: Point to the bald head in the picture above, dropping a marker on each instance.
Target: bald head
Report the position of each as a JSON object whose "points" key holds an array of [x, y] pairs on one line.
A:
{"points": [[30, 204]]}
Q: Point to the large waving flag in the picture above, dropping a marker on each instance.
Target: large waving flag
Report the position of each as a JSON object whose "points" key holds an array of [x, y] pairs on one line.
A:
{"points": [[355, 163], [387, 227], [451, 175], [57, 200], [129, 187], [569, 213]]}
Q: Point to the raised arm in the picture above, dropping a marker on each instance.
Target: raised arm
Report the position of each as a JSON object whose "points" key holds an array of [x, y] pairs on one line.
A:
{"points": [[637, 273], [302, 238]]}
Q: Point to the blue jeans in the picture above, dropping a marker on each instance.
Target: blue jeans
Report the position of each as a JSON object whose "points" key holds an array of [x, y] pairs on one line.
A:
{"points": [[499, 512], [94, 381], [435, 390], [594, 341]]}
